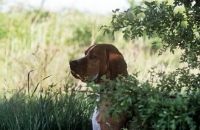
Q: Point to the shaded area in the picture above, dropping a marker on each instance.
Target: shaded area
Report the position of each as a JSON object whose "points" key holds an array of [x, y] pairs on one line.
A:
{"points": [[50, 111]]}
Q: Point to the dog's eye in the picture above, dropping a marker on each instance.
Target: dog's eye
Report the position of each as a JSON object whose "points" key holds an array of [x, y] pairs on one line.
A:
{"points": [[92, 57]]}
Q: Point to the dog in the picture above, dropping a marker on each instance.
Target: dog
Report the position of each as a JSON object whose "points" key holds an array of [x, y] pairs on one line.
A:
{"points": [[99, 60]]}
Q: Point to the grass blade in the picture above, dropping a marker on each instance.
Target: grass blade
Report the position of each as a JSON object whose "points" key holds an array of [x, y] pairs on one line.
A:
{"points": [[38, 84], [29, 80]]}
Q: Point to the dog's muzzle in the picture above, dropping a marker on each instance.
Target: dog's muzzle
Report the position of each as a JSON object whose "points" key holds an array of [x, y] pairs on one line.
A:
{"points": [[84, 79]]}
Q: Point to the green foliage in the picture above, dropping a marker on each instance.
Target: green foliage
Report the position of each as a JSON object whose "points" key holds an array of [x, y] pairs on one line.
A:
{"points": [[36, 27], [157, 105], [48, 111], [3, 29], [174, 29]]}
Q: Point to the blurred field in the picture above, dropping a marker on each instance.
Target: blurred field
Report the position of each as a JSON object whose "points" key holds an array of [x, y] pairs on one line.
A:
{"points": [[46, 41]]}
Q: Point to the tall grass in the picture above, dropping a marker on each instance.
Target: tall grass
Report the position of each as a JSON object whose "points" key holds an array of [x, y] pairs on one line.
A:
{"points": [[46, 111]]}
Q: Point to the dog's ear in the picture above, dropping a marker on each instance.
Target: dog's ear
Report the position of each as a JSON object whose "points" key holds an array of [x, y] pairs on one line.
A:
{"points": [[116, 63], [89, 49]]}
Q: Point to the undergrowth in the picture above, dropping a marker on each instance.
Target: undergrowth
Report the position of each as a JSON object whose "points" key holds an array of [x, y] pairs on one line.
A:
{"points": [[161, 104], [50, 110]]}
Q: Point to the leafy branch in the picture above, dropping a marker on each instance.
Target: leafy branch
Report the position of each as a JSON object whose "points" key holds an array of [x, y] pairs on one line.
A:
{"points": [[153, 19]]}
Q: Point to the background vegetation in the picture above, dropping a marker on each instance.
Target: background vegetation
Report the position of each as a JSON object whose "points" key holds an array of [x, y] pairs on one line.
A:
{"points": [[36, 88]]}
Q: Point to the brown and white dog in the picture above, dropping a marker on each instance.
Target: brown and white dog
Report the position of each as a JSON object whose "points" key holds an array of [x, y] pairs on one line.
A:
{"points": [[99, 60]]}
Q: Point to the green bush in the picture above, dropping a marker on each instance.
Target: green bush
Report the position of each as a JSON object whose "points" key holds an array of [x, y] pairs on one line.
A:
{"points": [[156, 105]]}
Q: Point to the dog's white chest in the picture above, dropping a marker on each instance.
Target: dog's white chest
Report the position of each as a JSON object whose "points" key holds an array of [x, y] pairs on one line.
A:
{"points": [[95, 124]]}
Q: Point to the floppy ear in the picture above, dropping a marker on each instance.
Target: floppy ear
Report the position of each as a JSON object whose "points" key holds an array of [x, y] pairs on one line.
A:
{"points": [[116, 63]]}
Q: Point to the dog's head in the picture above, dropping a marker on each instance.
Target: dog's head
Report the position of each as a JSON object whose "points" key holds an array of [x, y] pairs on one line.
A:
{"points": [[99, 60]]}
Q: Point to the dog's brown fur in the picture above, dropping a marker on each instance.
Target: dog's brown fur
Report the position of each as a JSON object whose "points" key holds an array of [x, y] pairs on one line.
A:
{"points": [[101, 59]]}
